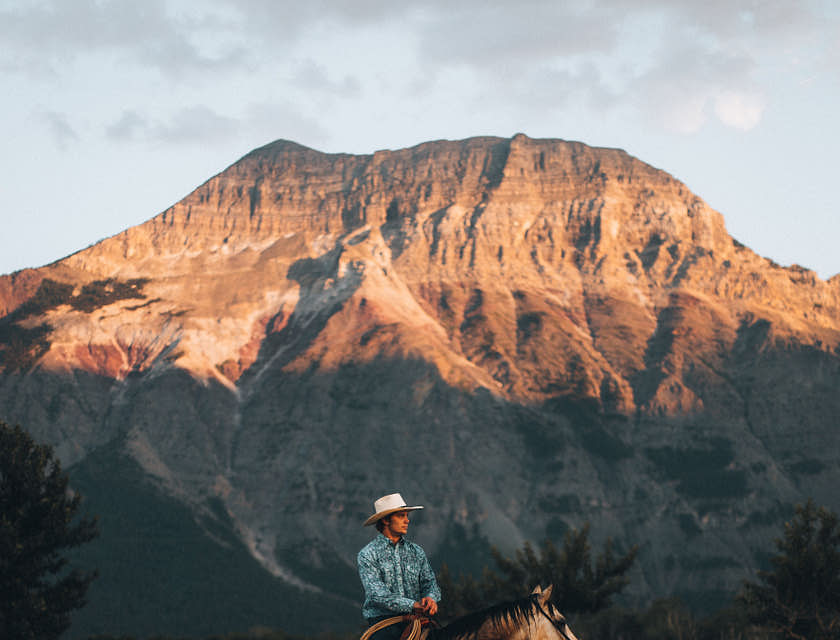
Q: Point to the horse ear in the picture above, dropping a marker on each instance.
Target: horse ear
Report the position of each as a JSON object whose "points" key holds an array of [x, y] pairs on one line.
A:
{"points": [[545, 595]]}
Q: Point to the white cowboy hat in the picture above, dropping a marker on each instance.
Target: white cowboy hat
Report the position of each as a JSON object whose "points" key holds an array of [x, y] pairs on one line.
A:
{"points": [[387, 505]]}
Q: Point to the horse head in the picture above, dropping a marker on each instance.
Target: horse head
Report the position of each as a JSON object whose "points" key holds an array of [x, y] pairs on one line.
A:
{"points": [[550, 623]]}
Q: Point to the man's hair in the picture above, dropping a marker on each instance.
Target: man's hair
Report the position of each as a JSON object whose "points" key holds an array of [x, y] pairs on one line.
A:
{"points": [[380, 524]]}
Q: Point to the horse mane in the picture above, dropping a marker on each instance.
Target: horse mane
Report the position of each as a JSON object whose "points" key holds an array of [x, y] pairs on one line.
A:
{"points": [[467, 627]]}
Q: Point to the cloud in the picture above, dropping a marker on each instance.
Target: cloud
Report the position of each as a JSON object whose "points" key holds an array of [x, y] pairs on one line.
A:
{"points": [[175, 36], [740, 110], [486, 36], [129, 126], [270, 120], [675, 64], [62, 133], [312, 76], [290, 20], [196, 124], [688, 82], [781, 21], [201, 125], [48, 35]]}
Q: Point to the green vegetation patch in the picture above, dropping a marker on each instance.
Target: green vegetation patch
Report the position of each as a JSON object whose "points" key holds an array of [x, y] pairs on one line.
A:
{"points": [[707, 563], [316, 562], [463, 549], [701, 472], [689, 525], [556, 528], [96, 294], [773, 516], [566, 503], [528, 325], [164, 571], [50, 294], [598, 441], [545, 437], [21, 347], [807, 467], [104, 292]]}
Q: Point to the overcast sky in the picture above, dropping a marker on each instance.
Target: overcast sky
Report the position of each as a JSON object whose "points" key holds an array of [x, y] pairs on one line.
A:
{"points": [[113, 110]]}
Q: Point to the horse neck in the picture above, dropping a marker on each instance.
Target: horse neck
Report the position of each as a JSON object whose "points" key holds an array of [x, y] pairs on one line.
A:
{"points": [[514, 624], [537, 628], [487, 631]]}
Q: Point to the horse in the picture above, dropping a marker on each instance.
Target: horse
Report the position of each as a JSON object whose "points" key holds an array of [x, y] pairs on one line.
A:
{"points": [[531, 618]]}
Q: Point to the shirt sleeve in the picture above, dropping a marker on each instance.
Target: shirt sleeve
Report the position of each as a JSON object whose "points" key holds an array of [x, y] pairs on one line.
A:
{"points": [[376, 592], [428, 584]]}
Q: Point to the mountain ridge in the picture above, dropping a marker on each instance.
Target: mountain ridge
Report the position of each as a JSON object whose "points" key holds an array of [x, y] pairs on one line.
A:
{"points": [[567, 333]]}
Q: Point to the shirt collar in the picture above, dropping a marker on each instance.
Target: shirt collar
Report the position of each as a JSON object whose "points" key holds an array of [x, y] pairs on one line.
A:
{"points": [[386, 540]]}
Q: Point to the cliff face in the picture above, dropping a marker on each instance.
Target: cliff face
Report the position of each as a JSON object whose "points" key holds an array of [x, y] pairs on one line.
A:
{"points": [[524, 334]]}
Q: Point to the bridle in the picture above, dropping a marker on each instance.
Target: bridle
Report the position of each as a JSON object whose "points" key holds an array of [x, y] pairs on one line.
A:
{"points": [[557, 625]]}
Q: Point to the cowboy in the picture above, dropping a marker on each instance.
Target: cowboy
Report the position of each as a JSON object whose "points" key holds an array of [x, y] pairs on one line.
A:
{"points": [[395, 573]]}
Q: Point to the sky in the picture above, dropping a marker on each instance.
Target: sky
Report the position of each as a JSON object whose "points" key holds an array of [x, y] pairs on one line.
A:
{"points": [[112, 111]]}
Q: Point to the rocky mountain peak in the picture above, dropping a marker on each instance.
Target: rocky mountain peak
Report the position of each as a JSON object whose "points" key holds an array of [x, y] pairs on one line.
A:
{"points": [[548, 322], [487, 239]]}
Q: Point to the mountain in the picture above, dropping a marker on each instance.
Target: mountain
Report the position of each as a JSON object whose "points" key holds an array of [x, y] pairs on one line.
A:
{"points": [[523, 335]]}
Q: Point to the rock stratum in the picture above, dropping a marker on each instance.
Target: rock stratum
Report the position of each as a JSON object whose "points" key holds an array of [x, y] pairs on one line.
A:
{"points": [[524, 335]]}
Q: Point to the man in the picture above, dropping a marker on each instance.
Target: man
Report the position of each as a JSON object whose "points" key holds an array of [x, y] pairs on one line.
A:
{"points": [[395, 573]]}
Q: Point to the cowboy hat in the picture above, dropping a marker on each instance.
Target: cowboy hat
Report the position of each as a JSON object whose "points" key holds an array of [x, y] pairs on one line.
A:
{"points": [[386, 505]]}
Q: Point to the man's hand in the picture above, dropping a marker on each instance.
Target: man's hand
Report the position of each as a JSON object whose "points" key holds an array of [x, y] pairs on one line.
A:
{"points": [[426, 605]]}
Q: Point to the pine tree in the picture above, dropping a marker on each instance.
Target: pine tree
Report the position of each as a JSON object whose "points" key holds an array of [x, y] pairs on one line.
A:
{"points": [[799, 599], [38, 525], [579, 586]]}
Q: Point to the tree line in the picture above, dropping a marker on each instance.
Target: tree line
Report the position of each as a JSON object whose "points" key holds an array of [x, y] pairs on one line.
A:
{"points": [[797, 598]]}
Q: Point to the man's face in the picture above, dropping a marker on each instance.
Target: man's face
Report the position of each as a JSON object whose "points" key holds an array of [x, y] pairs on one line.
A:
{"points": [[396, 524]]}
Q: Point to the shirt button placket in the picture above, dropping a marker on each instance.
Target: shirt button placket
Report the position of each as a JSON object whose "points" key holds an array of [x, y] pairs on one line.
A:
{"points": [[398, 565]]}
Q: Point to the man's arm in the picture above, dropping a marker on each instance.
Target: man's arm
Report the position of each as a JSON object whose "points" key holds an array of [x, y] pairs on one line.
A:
{"points": [[428, 584]]}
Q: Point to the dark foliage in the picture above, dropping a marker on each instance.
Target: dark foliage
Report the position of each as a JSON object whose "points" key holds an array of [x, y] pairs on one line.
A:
{"points": [[165, 573], [666, 619], [462, 550], [799, 598], [579, 585], [50, 294], [21, 346], [103, 292], [38, 525], [704, 472]]}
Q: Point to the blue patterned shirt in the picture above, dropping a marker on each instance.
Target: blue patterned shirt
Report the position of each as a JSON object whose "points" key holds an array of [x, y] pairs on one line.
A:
{"points": [[394, 577]]}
